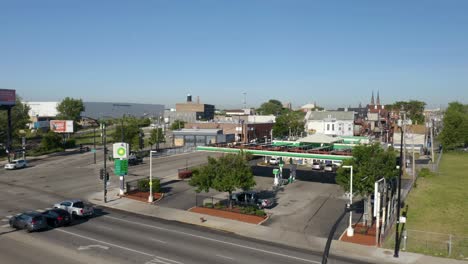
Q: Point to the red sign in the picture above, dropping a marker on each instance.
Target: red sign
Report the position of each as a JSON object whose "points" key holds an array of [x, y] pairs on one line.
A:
{"points": [[7, 97], [61, 126]]}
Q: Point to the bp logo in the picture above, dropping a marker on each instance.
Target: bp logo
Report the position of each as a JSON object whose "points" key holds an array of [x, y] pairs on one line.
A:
{"points": [[121, 151]]}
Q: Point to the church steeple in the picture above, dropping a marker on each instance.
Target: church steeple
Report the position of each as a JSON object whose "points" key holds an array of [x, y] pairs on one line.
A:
{"points": [[378, 98], [372, 99]]}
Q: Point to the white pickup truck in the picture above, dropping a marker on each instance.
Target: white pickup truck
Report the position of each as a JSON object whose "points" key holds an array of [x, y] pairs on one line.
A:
{"points": [[76, 208]]}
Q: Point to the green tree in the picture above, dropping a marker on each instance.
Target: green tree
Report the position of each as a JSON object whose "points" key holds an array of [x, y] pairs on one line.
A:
{"points": [[414, 110], [370, 163], [156, 137], [289, 123], [51, 140], [272, 107], [455, 128], [131, 132], [70, 109], [19, 120], [225, 174], [178, 124]]}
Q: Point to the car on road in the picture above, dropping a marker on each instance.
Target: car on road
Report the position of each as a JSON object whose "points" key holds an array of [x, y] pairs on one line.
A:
{"points": [[134, 160], [251, 198], [16, 164], [274, 161], [76, 208], [317, 166], [57, 217], [31, 221]]}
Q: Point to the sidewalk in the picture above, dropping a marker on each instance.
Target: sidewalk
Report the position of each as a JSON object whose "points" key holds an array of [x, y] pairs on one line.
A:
{"points": [[363, 253]]}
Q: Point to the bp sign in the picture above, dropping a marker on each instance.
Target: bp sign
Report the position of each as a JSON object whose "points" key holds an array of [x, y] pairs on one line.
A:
{"points": [[120, 150]]}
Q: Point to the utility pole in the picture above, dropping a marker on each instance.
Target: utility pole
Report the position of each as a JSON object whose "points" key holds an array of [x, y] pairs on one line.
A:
{"points": [[122, 128], [9, 134], [105, 160], [397, 236], [94, 140], [432, 139]]}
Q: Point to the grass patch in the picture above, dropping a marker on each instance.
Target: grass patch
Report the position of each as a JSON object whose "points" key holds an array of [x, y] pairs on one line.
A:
{"points": [[440, 205]]}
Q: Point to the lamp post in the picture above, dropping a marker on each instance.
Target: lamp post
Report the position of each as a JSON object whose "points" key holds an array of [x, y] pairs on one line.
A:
{"points": [[150, 198], [350, 230], [397, 236]]}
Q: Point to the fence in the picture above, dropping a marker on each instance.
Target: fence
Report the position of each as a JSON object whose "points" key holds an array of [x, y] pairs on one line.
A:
{"points": [[436, 244]]}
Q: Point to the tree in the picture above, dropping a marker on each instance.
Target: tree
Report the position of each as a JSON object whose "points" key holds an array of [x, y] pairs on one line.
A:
{"points": [[131, 132], [370, 163], [70, 109], [19, 120], [290, 123], [178, 124], [51, 140], [225, 174], [414, 110], [156, 137], [272, 107], [455, 129]]}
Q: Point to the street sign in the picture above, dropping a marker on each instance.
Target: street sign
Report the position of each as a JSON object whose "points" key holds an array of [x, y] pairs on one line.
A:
{"points": [[120, 167], [120, 150], [93, 150]]}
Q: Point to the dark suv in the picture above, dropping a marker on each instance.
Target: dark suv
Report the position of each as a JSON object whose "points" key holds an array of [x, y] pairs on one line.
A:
{"points": [[31, 221]]}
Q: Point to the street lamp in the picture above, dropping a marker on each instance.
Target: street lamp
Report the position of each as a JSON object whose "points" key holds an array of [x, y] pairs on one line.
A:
{"points": [[150, 198], [350, 230]]}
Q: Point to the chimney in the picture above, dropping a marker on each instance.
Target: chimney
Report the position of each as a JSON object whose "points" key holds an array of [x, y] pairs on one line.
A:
{"points": [[189, 98]]}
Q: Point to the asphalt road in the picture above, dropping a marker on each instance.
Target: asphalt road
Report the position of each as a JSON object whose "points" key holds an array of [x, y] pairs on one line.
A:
{"points": [[120, 237]]}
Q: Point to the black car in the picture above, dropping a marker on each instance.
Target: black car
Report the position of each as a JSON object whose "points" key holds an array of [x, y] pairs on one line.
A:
{"points": [[31, 221], [134, 160], [57, 217]]}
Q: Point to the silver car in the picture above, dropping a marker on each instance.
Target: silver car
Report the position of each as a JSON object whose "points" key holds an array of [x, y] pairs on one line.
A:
{"points": [[16, 164], [76, 208]]}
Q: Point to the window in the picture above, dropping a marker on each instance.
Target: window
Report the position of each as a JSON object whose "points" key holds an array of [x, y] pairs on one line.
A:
{"points": [[66, 204], [333, 127], [349, 128], [79, 205], [328, 127]]}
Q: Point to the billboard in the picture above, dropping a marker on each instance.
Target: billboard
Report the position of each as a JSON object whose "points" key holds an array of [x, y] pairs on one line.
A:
{"points": [[61, 126], [7, 97]]}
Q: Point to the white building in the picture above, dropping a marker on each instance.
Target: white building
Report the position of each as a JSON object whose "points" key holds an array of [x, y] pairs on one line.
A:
{"points": [[333, 123]]}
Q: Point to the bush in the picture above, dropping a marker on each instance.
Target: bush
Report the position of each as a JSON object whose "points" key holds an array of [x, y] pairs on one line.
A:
{"points": [[219, 206], [260, 213], [51, 140], [250, 210], [71, 143], [144, 185], [210, 205]]}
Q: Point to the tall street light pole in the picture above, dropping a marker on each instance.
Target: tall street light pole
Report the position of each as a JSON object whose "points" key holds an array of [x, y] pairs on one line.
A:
{"points": [[94, 139], [151, 198], [350, 230]]}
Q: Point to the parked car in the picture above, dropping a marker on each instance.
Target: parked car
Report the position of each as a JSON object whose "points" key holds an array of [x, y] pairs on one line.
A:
{"points": [[330, 167], [16, 164], [251, 198], [76, 208], [317, 166], [274, 161], [57, 217], [31, 221]]}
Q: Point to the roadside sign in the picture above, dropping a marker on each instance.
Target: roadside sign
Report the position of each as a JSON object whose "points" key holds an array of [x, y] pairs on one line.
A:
{"points": [[93, 150], [120, 150], [120, 167]]}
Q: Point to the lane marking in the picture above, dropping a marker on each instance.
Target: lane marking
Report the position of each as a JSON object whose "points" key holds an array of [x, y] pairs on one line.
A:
{"points": [[157, 240], [9, 216], [40, 210], [106, 243], [3, 226], [48, 208], [224, 257], [93, 246], [4, 220], [118, 246], [214, 240]]}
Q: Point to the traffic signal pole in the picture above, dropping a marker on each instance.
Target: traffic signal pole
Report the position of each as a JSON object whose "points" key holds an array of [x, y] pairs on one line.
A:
{"points": [[8, 147], [105, 161]]}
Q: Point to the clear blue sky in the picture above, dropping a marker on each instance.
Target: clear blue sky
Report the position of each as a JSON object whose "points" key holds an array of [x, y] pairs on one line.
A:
{"points": [[156, 51]]}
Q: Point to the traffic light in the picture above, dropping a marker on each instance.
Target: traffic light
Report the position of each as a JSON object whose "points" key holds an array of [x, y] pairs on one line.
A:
{"points": [[107, 176], [101, 174], [141, 141]]}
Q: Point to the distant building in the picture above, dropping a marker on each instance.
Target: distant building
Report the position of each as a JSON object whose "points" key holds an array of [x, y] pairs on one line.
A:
{"points": [[308, 107], [202, 111], [40, 113], [200, 137], [334, 123]]}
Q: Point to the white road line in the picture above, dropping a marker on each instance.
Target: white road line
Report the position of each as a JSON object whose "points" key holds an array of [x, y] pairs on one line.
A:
{"points": [[215, 240], [9, 216], [4, 220], [40, 210], [157, 240], [170, 260], [5, 226], [224, 257], [48, 208], [106, 243]]}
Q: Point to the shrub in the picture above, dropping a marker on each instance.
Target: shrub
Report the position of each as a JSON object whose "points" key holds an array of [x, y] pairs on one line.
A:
{"points": [[219, 206], [144, 186], [71, 143], [210, 205], [51, 140], [260, 213], [248, 210]]}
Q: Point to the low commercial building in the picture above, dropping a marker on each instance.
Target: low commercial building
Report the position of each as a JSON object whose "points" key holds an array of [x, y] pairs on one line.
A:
{"points": [[202, 111], [334, 123], [40, 113], [200, 137]]}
